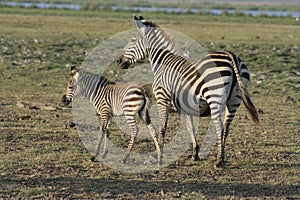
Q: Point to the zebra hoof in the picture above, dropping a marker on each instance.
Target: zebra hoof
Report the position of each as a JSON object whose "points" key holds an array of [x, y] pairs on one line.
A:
{"points": [[104, 155], [124, 160], [195, 158], [93, 158], [159, 163], [220, 164]]}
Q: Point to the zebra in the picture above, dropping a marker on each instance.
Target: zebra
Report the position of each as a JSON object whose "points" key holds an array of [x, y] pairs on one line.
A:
{"points": [[216, 82], [110, 99]]}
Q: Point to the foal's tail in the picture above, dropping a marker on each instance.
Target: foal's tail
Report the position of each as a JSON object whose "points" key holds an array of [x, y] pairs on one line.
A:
{"points": [[144, 112]]}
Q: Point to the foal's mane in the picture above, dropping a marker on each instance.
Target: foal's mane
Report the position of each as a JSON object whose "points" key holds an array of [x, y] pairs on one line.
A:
{"points": [[99, 77]]}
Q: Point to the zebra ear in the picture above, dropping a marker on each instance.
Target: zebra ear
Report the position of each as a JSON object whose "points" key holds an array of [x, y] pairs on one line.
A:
{"points": [[140, 25], [73, 67], [138, 22], [141, 17], [74, 70]]}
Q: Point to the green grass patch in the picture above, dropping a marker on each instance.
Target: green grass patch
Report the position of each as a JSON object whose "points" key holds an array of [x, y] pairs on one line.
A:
{"points": [[43, 157]]}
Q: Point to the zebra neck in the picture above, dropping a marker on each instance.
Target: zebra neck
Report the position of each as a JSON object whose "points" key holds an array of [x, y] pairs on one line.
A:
{"points": [[92, 84], [159, 39], [161, 59]]}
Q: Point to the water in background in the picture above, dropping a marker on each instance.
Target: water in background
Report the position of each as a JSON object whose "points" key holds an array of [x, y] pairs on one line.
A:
{"points": [[43, 5], [254, 13]]}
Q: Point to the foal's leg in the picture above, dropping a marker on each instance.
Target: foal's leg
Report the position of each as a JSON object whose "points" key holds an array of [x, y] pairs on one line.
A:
{"points": [[100, 138], [106, 136], [134, 131], [103, 130]]}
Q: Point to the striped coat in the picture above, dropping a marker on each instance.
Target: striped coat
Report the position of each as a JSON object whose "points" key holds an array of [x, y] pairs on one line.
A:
{"points": [[111, 100], [216, 83]]}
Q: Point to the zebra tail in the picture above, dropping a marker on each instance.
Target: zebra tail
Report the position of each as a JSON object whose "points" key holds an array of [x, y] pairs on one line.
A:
{"points": [[244, 93], [248, 103]]}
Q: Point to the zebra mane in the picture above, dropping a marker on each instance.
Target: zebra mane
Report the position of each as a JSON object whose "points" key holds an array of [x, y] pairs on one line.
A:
{"points": [[168, 37], [150, 23], [96, 76]]}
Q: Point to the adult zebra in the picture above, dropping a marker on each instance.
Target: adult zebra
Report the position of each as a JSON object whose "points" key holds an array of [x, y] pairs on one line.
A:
{"points": [[216, 81], [111, 100]]}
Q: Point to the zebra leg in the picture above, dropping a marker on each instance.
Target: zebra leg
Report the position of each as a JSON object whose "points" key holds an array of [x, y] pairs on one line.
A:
{"points": [[232, 105], [220, 144], [191, 130], [216, 117], [163, 112], [103, 130], [163, 101], [227, 121], [100, 138], [222, 139], [154, 137], [134, 130], [106, 136]]}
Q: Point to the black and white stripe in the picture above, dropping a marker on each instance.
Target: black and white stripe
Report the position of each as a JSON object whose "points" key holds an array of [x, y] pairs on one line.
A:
{"points": [[215, 83], [111, 100]]}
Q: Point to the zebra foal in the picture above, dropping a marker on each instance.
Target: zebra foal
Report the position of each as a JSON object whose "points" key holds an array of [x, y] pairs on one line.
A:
{"points": [[209, 85], [111, 100]]}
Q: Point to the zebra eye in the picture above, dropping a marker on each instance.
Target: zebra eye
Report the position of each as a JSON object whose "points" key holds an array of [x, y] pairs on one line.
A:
{"points": [[133, 39]]}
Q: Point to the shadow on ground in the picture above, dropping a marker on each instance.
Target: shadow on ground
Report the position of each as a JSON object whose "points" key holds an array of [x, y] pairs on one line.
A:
{"points": [[112, 188]]}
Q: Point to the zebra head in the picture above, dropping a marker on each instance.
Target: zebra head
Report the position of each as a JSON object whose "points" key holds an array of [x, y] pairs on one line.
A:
{"points": [[137, 48], [72, 88]]}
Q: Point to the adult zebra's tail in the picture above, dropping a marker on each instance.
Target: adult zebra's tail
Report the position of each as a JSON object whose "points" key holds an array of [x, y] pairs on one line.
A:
{"points": [[144, 112], [244, 91]]}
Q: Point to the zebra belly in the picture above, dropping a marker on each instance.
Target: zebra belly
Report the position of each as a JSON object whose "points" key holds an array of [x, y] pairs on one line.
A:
{"points": [[204, 108], [192, 107]]}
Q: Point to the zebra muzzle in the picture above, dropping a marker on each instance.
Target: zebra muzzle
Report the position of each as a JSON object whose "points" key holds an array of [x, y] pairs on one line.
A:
{"points": [[65, 100], [122, 63]]}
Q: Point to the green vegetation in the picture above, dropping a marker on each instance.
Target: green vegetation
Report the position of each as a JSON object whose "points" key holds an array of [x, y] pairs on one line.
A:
{"points": [[43, 157]]}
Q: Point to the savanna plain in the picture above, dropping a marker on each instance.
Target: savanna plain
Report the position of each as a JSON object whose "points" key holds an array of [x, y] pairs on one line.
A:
{"points": [[42, 156]]}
